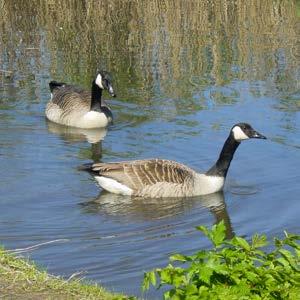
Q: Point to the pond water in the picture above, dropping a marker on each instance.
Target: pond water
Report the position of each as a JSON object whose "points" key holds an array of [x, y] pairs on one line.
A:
{"points": [[184, 73]]}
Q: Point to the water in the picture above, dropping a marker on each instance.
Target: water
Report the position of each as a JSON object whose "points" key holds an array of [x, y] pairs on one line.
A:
{"points": [[184, 74]]}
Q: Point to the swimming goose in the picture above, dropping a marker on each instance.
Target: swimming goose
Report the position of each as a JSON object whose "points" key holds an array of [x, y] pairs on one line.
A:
{"points": [[156, 178], [72, 106]]}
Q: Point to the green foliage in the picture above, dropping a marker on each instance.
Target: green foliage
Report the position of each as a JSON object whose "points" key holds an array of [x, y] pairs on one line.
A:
{"points": [[233, 269]]}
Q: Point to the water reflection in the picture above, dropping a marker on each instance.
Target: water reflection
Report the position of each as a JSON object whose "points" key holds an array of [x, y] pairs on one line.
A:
{"points": [[147, 209], [154, 47], [94, 136], [221, 214], [73, 134]]}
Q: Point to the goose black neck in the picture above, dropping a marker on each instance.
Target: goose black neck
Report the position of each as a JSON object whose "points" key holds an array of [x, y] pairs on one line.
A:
{"points": [[96, 97], [220, 168]]}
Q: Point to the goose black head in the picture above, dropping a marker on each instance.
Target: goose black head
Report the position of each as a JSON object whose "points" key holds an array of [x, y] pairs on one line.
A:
{"points": [[104, 82], [244, 131]]}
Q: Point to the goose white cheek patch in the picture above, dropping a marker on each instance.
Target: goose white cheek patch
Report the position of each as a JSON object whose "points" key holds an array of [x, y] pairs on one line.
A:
{"points": [[239, 134], [99, 81]]}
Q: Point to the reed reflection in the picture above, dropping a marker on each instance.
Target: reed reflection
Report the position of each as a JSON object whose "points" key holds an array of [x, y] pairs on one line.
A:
{"points": [[161, 49]]}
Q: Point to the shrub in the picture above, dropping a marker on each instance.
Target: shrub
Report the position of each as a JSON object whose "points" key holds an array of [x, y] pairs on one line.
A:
{"points": [[233, 269]]}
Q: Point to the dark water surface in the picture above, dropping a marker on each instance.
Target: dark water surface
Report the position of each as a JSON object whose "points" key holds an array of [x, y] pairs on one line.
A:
{"points": [[184, 72]]}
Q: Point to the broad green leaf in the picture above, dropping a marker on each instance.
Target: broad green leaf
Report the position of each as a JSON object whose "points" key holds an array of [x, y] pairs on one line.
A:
{"points": [[205, 274], [191, 289], [203, 288], [146, 282], [201, 254], [178, 280], [193, 297], [169, 294], [286, 253], [204, 230], [235, 278], [221, 269], [278, 243], [289, 257], [293, 244], [152, 278], [261, 253], [283, 261], [218, 233], [238, 241], [178, 257], [259, 241], [251, 276], [165, 276], [291, 236]]}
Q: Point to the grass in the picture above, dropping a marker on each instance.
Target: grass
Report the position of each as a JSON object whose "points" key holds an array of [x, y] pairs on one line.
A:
{"points": [[22, 279]]}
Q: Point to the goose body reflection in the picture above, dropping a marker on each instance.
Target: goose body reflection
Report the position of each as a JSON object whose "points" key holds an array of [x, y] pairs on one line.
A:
{"points": [[73, 134], [72, 106], [148, 209], [158, 178], [94, 136]]}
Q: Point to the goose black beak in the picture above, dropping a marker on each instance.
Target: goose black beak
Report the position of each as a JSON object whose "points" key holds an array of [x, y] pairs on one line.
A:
{"points": [[257, 135]]}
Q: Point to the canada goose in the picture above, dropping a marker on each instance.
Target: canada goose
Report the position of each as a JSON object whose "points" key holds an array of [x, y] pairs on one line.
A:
{"points": [[72, 106], [158, 178]]}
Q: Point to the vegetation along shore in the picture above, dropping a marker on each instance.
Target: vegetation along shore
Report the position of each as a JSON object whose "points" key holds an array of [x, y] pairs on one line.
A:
{"points": [[22, 279], [233, 268]]}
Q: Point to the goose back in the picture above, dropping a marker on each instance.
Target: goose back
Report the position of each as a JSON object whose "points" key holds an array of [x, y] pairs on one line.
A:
{"points": [[65, 97]]}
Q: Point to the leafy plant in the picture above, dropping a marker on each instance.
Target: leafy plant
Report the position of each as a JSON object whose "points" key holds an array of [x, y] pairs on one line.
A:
{"points": [[233, 269]]}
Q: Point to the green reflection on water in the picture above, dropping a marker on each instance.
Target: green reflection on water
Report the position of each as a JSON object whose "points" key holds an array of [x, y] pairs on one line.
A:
{"points": [[153, 48]]}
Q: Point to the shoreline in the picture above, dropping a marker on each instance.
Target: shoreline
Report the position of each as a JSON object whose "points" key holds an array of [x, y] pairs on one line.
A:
{"points": [[21, 278]]}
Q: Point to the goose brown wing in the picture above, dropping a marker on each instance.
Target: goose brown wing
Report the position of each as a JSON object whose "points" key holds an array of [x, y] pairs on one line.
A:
{"points": [[140, 173], [69, 96]]}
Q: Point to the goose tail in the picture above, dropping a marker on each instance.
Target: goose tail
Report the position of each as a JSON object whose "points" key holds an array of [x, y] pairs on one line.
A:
{"points": [[88, 167]]}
